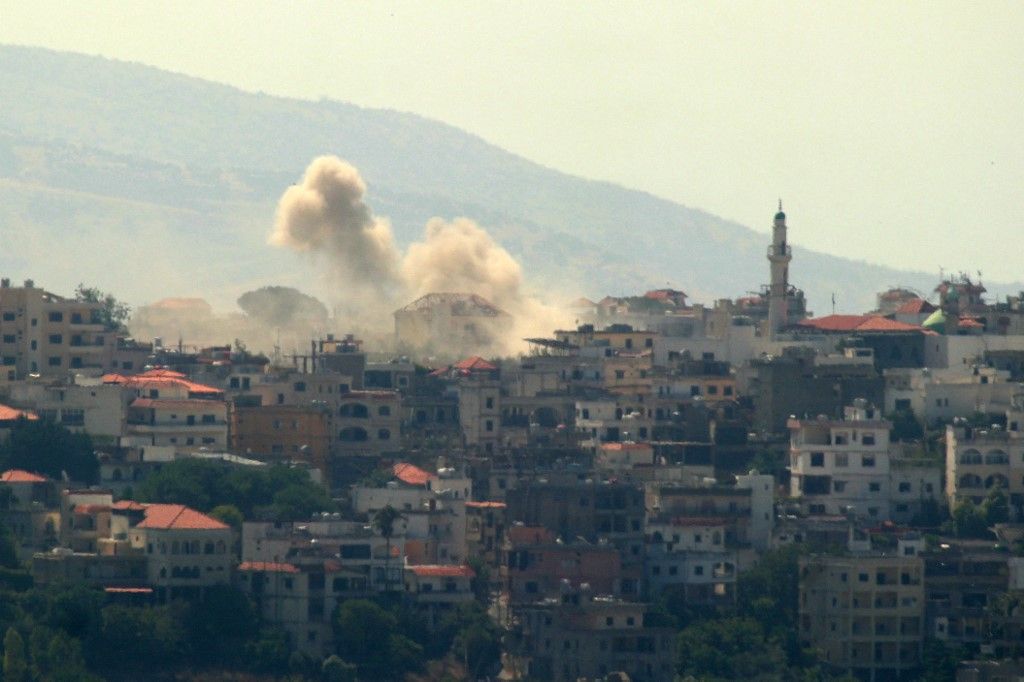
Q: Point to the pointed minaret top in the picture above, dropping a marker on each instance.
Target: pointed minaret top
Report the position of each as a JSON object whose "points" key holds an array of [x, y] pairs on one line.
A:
{"points": [[780, 215]]}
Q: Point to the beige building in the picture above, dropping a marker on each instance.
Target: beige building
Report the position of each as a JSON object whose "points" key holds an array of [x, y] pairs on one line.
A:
{"points": [[863, 614], [46, 334], [186, 424], [980, 459], [187, 551], [93, 408], [452, 323]]}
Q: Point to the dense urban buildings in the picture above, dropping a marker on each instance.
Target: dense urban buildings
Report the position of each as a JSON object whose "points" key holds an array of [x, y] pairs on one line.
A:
{"points": [[663, 490]]}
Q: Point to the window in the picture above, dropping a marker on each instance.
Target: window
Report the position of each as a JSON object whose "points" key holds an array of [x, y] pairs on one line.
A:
{"points": [[489, 403], [698, 570], [839, 486], [867, 461], [384, 411], [863, 577], [8, 317], [384, 434], [56, 317], [727, 390], [904, 487], [54, 361], [300, 386], [9, 338], [489, 426], [648, 343], [817, 459], [712, 390], [56, 339], [868, 439], [874, 487]]}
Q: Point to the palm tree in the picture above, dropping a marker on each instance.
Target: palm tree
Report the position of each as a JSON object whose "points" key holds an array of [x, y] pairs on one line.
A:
{"points": [[384, 522]]}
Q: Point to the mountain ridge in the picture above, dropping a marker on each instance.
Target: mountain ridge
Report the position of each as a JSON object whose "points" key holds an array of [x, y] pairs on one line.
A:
{"points": [[125, 129]]}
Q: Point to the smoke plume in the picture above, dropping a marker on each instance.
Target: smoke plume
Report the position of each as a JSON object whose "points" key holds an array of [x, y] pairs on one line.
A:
{"points": [[327, 217]]}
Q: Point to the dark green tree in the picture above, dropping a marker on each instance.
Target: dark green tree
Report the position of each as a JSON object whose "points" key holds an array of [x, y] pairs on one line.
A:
{"points": [[996, 507], [731, 648], [15, 663], [969, 521], [47, 448], [113, 314]]}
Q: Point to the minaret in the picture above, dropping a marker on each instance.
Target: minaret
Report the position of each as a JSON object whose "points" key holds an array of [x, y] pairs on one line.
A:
{"points": [[779, 255]]}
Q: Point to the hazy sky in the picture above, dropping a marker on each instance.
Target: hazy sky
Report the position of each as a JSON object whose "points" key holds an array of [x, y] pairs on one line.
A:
{"points": [[892, 130]]}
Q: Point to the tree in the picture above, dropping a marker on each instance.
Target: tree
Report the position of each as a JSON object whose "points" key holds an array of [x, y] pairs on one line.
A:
{"points": [[336, 670], [384, 521], [40, 445], [731, 648], [969, 521], [15, 664], [905, 426], [113, 314], [363, 634], [996, 507], [229, 514]]}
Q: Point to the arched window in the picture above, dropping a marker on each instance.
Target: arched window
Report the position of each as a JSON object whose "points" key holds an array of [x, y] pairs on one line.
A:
{"points": [[970, 457], [970, 481], [996, 457], [354, 411], [996, 481], [352, 434]]}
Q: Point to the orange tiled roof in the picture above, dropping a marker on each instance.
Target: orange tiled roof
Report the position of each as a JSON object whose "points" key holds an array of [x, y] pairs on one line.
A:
{"points": [[411, 474], [486, 505], [443, 571], [969, 323], [268, 567], [21, 476], [129, 505], [9, 414], [178, 517], [916, 306], [475, 364], [859, 323], [155, 378]]}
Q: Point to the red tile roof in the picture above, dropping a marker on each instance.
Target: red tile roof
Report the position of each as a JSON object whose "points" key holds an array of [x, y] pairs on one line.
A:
{"points": [[442, 571], [859, 323], [267, 567], [156, 378], [475, 364], [21, 476], [486, 505], [178, 517], [916, 306], [625, 446], [9, 414], [411, 474], [128, 505], [970, 323]]}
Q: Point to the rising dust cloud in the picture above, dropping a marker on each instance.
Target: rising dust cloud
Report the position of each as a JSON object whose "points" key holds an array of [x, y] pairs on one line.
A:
{"points": [[327, 217]]}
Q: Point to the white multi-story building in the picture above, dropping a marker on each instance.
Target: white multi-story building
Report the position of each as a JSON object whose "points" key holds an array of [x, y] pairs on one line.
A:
{"points": [[839, 466], [942, 394]]}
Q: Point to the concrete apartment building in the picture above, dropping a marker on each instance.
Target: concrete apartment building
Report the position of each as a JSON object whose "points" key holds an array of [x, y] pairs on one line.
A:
{"points": [[451, 322], [584, 636], [184, 423], [84, 406], [980, 459], [282, 433], [943, 394], [49, 335], [839, 465], [863, 614]]}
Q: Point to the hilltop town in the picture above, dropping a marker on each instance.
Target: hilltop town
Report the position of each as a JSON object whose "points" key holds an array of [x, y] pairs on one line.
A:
{"points": [[662, 489]]}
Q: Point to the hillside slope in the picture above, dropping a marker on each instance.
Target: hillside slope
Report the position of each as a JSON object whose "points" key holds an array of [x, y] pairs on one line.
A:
{"points": [[174, 180]]}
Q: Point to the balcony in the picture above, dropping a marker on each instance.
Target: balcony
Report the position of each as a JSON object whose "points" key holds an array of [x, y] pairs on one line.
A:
{"points": [[783, 251]]}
